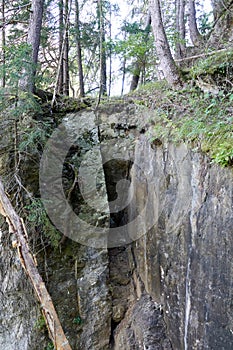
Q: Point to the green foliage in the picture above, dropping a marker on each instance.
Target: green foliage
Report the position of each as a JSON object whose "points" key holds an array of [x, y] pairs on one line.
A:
{"points": [[205, 21], [151, 87], [18, 63], [33, 137], [39, 221], [17, 106], [220, 62], [134, 46], [174, 38], [40, 323], [77, 320], [223, 152], [137, 43], [49, 346], [137, 46], [16, 103], [201, 120]]}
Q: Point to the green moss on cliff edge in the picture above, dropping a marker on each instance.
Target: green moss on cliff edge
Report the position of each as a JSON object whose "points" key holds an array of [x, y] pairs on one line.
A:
{"points": [[203, 120]]}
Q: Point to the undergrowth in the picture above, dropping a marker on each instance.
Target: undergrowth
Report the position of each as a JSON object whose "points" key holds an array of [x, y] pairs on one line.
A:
{"points": [[202, 120], [39, 222]]}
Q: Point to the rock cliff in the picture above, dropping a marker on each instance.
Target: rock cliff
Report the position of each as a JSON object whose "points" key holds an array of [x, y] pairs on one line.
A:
{"points": [[161, 277]]}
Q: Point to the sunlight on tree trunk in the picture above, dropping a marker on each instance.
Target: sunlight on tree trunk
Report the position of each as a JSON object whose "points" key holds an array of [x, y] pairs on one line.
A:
{"points": [[194, 33], [167, 63]]}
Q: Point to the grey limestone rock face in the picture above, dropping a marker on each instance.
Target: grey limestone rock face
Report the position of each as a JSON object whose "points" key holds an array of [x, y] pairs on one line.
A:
{"points": [[167, 288], [185, 260], [19, 311]]}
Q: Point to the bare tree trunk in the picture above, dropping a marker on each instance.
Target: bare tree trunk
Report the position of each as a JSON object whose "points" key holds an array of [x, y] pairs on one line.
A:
{"points": [[3, 44], [61, 53], [60, 63], [219, 7], [123, 77], [180, 28], [17, 227], [223, 23], [66, 78], [194, 33], [27, 83], [103, 66], [135, 77], [123, 70], [137, 67], [79, 51], [110, 55], [167, 63]]}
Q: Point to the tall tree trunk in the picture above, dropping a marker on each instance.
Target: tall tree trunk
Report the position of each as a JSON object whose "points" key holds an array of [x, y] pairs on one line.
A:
{"points": [[79, 51], [180, 28], [66, 78], [167, 63], [61, 65], [110, 54], [195, 36], [135, 76], [123, 77], [220, 7], [103, 65], [3, 44], [223, 23], [61, 38], [137, 66], [27, 83]]}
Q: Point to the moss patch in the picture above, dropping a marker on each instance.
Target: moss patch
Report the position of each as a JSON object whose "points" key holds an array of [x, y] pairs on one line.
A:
{"points": [[202, 120]]}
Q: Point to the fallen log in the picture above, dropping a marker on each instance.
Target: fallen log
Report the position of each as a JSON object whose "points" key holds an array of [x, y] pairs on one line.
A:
{"points": [[17, 227]]}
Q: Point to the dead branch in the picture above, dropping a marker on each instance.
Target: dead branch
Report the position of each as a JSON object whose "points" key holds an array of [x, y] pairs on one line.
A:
{"points": [[17, 227], [201, 55]]}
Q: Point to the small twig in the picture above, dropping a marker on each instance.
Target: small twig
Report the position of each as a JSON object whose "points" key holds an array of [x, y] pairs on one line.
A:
{"points": [[228, 81], [22, 186]]}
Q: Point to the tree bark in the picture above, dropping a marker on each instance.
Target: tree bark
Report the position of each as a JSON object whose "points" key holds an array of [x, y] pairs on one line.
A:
{"points": [[123, 77], [223, 23], [219, 7], [66, 78], [79, 51], [17, 227], [195, 36], [63, 79], [61, 53], [103, 65], [110, 54], [137, 67], [27, 83], [3, 44], [60, 65], [135, 76], [167, 63], [180, 28]]}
